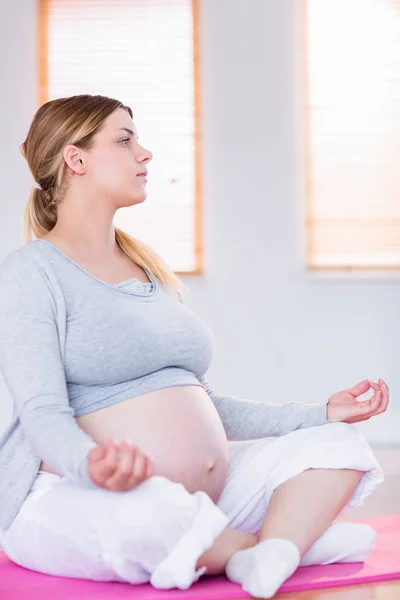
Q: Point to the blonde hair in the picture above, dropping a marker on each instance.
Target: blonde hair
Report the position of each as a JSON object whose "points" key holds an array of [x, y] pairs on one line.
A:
{"points": [[75, 120]]}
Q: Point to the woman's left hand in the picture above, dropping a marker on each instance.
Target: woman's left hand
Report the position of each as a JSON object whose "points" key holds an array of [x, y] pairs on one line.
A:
{"points": [[344, 406]]}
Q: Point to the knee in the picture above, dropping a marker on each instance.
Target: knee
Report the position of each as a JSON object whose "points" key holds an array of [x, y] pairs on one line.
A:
{"points": [[158, 500], [153, 515], [156, 507], [162, 527]]}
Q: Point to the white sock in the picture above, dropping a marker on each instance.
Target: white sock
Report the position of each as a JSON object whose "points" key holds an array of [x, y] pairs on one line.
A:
{"points": [[262, 569], [342, 542]]}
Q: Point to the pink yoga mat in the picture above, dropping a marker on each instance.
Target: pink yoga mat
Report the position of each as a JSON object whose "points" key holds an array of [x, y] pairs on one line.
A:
{"points": [[17, 583]]}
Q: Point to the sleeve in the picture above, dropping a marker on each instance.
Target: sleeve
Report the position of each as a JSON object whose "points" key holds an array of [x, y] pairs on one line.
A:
{"points": [[32, 367], [250, 419]]}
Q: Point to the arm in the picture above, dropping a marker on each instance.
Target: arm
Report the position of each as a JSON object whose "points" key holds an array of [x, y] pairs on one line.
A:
{"points": [[250, 419], [31, 364]]}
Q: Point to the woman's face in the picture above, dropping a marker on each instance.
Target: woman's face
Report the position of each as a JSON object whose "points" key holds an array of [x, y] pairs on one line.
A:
{"points": [[115, 161]]}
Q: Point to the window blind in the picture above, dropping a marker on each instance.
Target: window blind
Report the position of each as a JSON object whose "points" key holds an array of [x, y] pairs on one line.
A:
{"points": [[144, 53], [352, 125]]}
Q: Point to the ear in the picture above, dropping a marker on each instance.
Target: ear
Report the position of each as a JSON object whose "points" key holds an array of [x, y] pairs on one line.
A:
{"points": [[75, 159]]}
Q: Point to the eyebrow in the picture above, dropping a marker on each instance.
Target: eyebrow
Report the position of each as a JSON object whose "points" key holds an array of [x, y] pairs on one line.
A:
{"points": [[128, 131]]}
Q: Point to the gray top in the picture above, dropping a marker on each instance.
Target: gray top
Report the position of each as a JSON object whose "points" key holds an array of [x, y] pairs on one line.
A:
{"points": [[71, 344]]}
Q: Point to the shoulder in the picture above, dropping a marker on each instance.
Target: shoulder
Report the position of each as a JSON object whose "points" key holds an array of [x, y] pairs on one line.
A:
{"points": [[23, 258], [25, 268]]}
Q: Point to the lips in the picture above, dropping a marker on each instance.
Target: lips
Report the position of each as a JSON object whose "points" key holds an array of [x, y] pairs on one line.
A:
{"points": [[143, 174]]}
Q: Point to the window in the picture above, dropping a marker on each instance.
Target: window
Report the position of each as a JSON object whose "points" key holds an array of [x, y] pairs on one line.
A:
{"points": [[352, 127], [144, 53]]}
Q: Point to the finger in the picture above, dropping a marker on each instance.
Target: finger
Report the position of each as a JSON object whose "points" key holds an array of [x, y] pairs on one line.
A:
{"points": [[360, 388], [358, 410], [150, 468], [384, 383], [107, 467], [148, 471], [139, 466], [385, 399], [373, 384], [124, 468], [368, 407], [125, 465], [380, 402], [97, 452]]}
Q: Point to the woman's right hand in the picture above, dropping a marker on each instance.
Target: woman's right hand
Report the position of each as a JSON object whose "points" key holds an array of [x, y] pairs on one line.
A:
{"points": [[119, 466]]}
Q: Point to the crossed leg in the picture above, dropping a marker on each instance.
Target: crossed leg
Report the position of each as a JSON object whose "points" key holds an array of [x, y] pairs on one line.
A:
{"points": [[297, 526]]}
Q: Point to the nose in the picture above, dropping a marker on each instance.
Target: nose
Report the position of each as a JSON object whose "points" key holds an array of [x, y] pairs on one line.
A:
{"points": [[143, 155]]}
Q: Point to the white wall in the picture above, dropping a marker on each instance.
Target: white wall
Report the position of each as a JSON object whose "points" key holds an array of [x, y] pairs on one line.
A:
{"points": [[18, 74], [281, 333]]}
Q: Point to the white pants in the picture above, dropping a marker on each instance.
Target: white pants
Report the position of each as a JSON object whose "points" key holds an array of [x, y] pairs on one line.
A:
{"points": [[157, 532]]}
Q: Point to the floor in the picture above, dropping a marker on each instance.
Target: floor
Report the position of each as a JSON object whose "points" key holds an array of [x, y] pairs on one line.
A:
{"points": [[385, 500]]}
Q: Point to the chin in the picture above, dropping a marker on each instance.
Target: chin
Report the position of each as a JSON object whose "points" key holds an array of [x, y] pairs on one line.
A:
{"points": [[132, 200]]}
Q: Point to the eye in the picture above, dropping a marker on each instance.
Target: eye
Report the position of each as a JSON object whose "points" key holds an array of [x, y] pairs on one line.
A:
{"points": [[125, 140]]}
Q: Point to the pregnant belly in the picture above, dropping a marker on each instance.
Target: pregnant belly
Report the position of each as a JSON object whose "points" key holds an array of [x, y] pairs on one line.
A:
{"points": [[177, 427]]}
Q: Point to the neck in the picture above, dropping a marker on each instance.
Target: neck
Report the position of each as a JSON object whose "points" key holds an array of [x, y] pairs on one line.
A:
{"points": [[87, 227]]}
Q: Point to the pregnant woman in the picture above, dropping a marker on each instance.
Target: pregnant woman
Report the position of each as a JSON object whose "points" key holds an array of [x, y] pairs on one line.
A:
{"points": [[120, 463]]}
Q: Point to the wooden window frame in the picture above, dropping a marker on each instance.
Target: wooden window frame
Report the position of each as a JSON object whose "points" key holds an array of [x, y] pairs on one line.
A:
{"points": [[307, 165], [43, 86]]}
